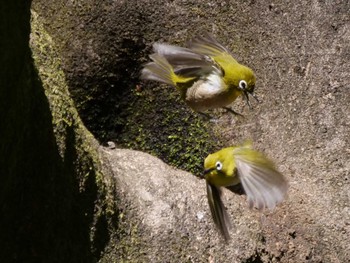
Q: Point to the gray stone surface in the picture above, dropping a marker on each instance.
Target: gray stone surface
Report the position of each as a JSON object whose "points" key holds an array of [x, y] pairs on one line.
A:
{"points": [[300, 53]]}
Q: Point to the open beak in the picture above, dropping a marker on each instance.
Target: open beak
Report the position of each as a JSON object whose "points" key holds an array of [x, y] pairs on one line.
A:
{"points": [[246, 95]]}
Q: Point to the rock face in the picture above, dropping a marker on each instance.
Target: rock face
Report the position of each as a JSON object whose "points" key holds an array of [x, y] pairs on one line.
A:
{"points": [[300, 53], [53, 197], [171, 220], [170, 212]]}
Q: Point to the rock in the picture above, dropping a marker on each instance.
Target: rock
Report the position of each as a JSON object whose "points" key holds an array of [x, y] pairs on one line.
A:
{"points": [[300, 53], [111, 145]]}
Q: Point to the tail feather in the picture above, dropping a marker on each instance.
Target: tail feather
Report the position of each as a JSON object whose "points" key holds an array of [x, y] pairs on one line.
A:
{"points": [[158, 70], [218, 211]]}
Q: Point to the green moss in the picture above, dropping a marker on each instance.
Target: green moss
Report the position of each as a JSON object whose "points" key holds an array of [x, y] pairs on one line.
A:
{"points": [[76, 146], [146, 117], [112, 102], [97, 198], [160, 123]]}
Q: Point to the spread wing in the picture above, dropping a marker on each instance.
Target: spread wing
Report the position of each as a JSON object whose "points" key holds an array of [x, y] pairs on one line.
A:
{"points": [[185, 62], [204, 57], [208, 45], [264, 185]]}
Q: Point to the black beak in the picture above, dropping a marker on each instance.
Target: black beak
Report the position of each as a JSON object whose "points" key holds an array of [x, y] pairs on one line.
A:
{"points": [[206, 171], [246, 95]]}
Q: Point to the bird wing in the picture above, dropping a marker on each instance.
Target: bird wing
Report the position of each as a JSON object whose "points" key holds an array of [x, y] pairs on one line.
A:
{"points": [[208, 45], [221, 57], [264, 185], [185, 62], [218, 211]]}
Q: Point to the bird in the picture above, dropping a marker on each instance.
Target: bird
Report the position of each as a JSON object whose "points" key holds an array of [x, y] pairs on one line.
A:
{"points": [[205, 73], [263, 184]]}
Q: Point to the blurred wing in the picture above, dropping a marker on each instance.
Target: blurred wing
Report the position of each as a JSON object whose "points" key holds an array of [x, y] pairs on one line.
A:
{"points": [[184, 61], [159, 70], [264, 185], [208, 45], [170, 51], [218, 211]]}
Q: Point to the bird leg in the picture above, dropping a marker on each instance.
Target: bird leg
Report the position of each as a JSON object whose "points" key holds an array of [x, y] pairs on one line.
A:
{"points": [[233, 112]]}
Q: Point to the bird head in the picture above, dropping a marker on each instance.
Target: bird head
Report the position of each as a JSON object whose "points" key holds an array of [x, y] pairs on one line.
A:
{"points": [[219, 166], [246, 84]]}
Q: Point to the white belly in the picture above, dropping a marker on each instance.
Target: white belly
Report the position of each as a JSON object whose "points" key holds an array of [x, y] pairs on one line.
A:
{"points": [[207, 94]]}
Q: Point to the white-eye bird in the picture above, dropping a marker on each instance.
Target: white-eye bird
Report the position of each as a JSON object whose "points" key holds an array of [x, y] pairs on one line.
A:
{"points": [[206, 74], [264, 186]]}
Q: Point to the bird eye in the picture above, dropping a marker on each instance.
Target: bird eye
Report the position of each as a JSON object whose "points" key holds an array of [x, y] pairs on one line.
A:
{"points": [[242, 84], [218, 165]]}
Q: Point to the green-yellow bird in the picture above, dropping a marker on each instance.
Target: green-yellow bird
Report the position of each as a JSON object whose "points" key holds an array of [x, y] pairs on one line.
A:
{"points": [[205, 73], [264, 186]]}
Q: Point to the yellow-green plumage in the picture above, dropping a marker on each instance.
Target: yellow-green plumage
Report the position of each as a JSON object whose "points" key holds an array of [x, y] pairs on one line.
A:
{"points": [[264, 186], [205, 73]]}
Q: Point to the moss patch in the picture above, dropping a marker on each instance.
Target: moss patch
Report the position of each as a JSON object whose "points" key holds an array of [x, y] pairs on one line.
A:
{"points": [[86, 189], [102, 63], [160, 123]]}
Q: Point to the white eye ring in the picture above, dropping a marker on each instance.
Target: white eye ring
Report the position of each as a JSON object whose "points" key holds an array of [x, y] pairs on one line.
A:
{"points": [[242, 85], [218, 165]]}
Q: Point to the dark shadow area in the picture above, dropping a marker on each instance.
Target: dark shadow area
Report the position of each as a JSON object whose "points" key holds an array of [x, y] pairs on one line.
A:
{"points": [[254, 259], [237, 189], [45, 214], [103, 93], [102, 237], [102, 65]]}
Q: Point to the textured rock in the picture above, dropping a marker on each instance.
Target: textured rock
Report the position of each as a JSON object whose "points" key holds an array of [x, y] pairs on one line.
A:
{"points": [[300, 53], [171, 212]]}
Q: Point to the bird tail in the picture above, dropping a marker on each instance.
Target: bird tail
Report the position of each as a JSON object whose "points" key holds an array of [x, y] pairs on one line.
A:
{"points": [[218, 211], [159, 70]]}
